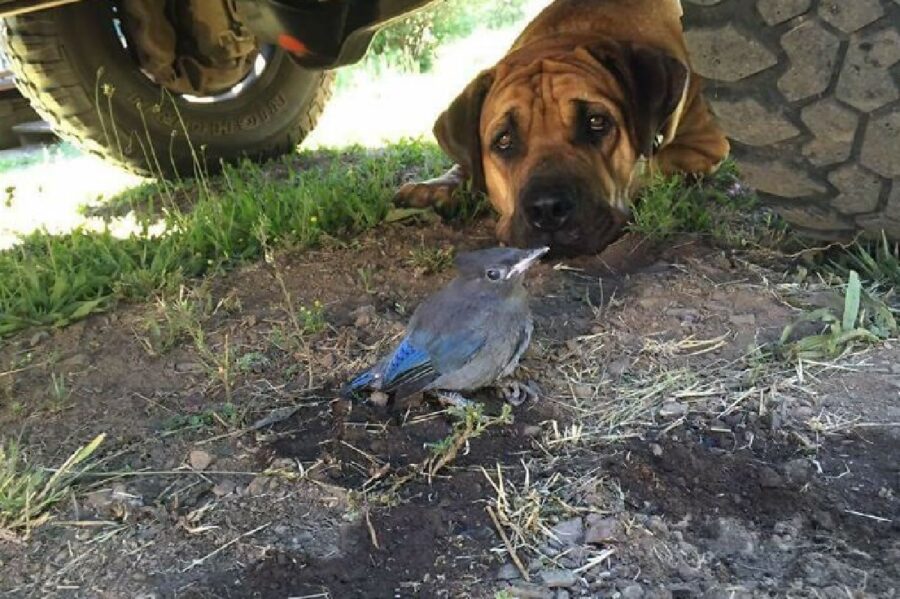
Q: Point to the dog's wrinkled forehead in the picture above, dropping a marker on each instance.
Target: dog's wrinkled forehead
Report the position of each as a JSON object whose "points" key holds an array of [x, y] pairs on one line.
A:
{"points": [[525, 86]]}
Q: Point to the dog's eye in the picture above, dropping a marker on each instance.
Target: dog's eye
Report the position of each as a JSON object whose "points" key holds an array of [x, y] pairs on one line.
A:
{"points": [[599, 124], [503, 142], [494, 274]]}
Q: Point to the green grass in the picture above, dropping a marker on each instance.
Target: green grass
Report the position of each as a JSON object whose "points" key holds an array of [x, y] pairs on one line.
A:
{"points": [[300, 200], [670, 206], [33, 158], [27, 492]]}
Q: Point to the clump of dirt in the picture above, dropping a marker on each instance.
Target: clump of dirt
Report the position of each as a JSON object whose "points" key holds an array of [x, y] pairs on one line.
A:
{"points": [[670, 455]]}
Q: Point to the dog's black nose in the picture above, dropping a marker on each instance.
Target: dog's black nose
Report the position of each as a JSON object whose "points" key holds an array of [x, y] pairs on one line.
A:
{"points": [[549, 210]]}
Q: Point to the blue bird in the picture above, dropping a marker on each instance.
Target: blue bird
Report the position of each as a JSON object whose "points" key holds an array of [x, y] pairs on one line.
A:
{"points": [[467, 336]]}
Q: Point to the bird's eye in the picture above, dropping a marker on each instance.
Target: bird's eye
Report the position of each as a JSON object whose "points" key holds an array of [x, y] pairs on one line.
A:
{"points": [[503, 142], [494, 274], [599, 124]]}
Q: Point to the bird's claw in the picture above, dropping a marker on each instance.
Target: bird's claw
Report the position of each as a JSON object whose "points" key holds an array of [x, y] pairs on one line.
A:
{"points": [[517, 392], [452, 399]]}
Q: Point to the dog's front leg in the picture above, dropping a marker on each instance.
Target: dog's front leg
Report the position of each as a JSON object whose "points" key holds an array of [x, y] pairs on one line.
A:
{"points": [[440, 192]]}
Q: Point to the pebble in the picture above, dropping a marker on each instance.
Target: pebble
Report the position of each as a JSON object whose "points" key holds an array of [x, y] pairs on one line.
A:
{"points": [[556, 578], [569, 532], [582, 391], [656, 449], [378, 398], [769, 479], [687, 573], [37, 338], [507, 572], [529, 591], [733, 539], [257, 486], [563, 594], [672, 409], [605, 530], [797, 471], [633, 591], [656, 525], [532, 430], [199, 459], [363, 316]]}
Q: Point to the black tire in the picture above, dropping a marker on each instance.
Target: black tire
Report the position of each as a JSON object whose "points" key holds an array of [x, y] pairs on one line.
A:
{"points": [[70, 63], [14, 110], [809, 92]]}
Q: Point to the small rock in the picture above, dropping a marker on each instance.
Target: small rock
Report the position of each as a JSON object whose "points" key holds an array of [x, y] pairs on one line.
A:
{"points": [[378, 398], [656, 449], [618, 367], [99, 500], [688, 590], [769, 479], [257, 486], [532, 430], [76, 361], [363, 316], [529, 591], [656, 525], [743, 320], [733, 539], [224, 487], [633, 591], [823, 520], [569, 532], [37, 338], [563, 594], [802, 413], [687, 573], [602, 531], [672, 409], [199, 459], [582, 391], [508, 572], [797, 471], [556, 578]]}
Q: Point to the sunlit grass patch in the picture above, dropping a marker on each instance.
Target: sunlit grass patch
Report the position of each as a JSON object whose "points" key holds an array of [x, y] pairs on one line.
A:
{"points": [[205, 226]]}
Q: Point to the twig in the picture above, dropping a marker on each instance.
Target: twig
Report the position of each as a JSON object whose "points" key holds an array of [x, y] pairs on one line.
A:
{"points": [[595, 561], [509, 547], [870, 516], [371, 528], [198, 562]]}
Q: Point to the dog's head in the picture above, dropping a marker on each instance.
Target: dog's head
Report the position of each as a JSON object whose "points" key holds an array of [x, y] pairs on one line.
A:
{"points": [[556, 136]]}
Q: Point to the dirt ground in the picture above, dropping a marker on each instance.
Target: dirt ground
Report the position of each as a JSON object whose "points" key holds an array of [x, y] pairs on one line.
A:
{"points": [[666, 458]]}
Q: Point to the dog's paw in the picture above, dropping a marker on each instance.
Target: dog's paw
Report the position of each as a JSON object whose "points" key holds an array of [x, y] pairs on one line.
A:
{"points": [[427, 194]]}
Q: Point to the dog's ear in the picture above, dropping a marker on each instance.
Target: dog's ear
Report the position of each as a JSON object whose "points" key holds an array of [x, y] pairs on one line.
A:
{"points": [[457, 128], [654, 83]]}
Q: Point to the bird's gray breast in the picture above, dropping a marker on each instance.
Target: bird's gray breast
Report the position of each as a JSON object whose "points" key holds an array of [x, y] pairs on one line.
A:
{"points": [[507, 335]]}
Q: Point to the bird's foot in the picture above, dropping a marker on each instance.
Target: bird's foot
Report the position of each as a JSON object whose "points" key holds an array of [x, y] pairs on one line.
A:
{"points": [[452, 399], [517, 392]]}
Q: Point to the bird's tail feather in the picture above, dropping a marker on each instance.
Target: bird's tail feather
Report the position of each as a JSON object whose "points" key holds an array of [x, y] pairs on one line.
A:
{"points": [[359, 382]]}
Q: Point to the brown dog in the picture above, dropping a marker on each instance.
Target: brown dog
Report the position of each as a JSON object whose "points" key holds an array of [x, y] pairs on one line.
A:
{"points": [[561, 133]]}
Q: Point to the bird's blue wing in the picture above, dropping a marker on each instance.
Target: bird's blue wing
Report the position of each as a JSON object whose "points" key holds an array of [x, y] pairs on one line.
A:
{"points": [[410, 367]]}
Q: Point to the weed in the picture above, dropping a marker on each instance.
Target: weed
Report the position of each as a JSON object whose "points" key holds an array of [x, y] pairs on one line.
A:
{"points": [[252, 362], [178, 317], [865, 319], [312, 319], [59, 389], [27, 493], [431, 260], [225, 416], [366, 275]]}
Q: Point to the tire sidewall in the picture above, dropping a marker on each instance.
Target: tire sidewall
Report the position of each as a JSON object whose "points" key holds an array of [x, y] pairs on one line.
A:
{"points": [[132, 110]]}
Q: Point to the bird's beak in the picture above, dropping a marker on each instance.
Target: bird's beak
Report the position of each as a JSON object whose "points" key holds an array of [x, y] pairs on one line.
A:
{"points": [[522, 265]]}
